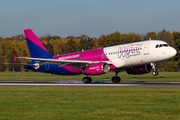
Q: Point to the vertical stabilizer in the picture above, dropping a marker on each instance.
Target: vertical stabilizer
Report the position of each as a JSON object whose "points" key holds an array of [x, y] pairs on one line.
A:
{"points": [[36, 48]]}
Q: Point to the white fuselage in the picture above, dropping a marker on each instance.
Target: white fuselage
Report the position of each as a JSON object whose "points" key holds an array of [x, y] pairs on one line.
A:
{"points": [[134, 54]]}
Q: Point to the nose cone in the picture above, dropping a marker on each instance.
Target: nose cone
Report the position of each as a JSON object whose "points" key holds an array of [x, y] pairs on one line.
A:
{"points": [[172, 52]]}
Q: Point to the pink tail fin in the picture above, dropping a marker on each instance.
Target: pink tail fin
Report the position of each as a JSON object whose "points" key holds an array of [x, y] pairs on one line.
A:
{"points": [[36, 48]]}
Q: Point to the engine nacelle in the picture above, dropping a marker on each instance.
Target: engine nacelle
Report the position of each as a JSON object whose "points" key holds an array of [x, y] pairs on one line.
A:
{"points": [[142, 69], [96, 69]]}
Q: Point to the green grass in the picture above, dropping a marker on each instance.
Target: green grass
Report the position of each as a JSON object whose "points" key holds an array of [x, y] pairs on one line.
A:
{"points": [[167, 76], [102, 103]]}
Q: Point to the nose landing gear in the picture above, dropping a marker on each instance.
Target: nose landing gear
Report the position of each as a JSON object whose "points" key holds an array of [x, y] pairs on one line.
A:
{"points": [[154, 71]]}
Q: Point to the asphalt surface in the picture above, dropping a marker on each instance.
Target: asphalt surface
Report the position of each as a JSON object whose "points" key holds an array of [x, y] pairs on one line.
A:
{"points": [[98, 83]]}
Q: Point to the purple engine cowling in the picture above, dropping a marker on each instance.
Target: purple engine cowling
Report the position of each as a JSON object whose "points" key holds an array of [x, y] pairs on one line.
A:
{"points": [[142, 69], [96, 69]]}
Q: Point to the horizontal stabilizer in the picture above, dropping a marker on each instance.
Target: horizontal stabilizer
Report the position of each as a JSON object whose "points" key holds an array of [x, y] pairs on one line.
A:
{"points": [[21, 64], [15, 58]]}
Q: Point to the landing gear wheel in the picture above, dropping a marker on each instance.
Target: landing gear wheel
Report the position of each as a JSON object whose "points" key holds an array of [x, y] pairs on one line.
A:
{"points": [[116, 79], [87, 79], [155, 73]]}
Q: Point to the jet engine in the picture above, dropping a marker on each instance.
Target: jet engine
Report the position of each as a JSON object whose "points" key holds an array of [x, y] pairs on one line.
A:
{"points": [[142, 69], [96, 69]]}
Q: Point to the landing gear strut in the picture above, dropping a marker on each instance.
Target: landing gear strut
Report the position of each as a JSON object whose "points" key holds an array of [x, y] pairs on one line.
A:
{"points": [[154, 71], [116, 79], [87, 79]]}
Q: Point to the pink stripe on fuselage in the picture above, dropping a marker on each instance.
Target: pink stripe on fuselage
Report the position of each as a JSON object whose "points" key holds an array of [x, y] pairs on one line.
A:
{"points": [[90, 55], [32, 37]]}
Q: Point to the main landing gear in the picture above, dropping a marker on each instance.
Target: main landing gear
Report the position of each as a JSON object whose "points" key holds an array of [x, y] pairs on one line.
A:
{"points": [[154, 71], [87, 79], [116, 79]]}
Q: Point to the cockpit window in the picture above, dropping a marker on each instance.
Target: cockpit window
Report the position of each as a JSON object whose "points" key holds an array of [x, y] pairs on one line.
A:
{"points": [[162, 45], [165, 45]]}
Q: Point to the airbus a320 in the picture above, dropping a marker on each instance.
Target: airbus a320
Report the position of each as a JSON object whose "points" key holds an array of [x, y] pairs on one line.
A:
{"points": [[135, 58]]}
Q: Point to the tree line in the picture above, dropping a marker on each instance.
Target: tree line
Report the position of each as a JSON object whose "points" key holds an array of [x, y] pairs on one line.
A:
{"points": [[56, 45]]}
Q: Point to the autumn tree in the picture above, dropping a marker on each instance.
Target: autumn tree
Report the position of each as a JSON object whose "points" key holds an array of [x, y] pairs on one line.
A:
{"points": [[171, 66], [86, 44], [1, 38], [17, 45], [151, 35], [50, 48], [1, 59], [165, 36], [71, 46], [11, 60], [102, 41], [176, 45], [132, 37]]}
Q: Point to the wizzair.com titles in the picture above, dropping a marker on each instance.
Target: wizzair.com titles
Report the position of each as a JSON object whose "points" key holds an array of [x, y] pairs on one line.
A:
{"points": [[68, 57]]}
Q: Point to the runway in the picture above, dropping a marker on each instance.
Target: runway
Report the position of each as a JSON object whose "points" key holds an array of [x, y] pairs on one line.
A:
{"points": [[99, 83]]}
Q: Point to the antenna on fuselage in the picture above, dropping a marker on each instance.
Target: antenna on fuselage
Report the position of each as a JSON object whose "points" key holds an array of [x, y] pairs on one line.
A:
{"points": [[150, 39]]}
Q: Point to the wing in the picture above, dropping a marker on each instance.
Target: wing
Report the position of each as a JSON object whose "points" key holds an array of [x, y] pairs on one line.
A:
{"points": [[75, 63]]}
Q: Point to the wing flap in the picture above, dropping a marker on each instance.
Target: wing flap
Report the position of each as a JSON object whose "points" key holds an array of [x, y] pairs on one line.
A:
{"points": [[57, 61], [76, 64]]}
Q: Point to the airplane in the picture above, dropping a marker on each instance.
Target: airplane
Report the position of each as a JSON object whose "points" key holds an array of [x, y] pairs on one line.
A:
{"points": [[134, 58]]}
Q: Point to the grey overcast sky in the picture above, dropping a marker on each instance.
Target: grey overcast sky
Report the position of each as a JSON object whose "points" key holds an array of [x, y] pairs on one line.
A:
{"points": [[90, 17]]}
